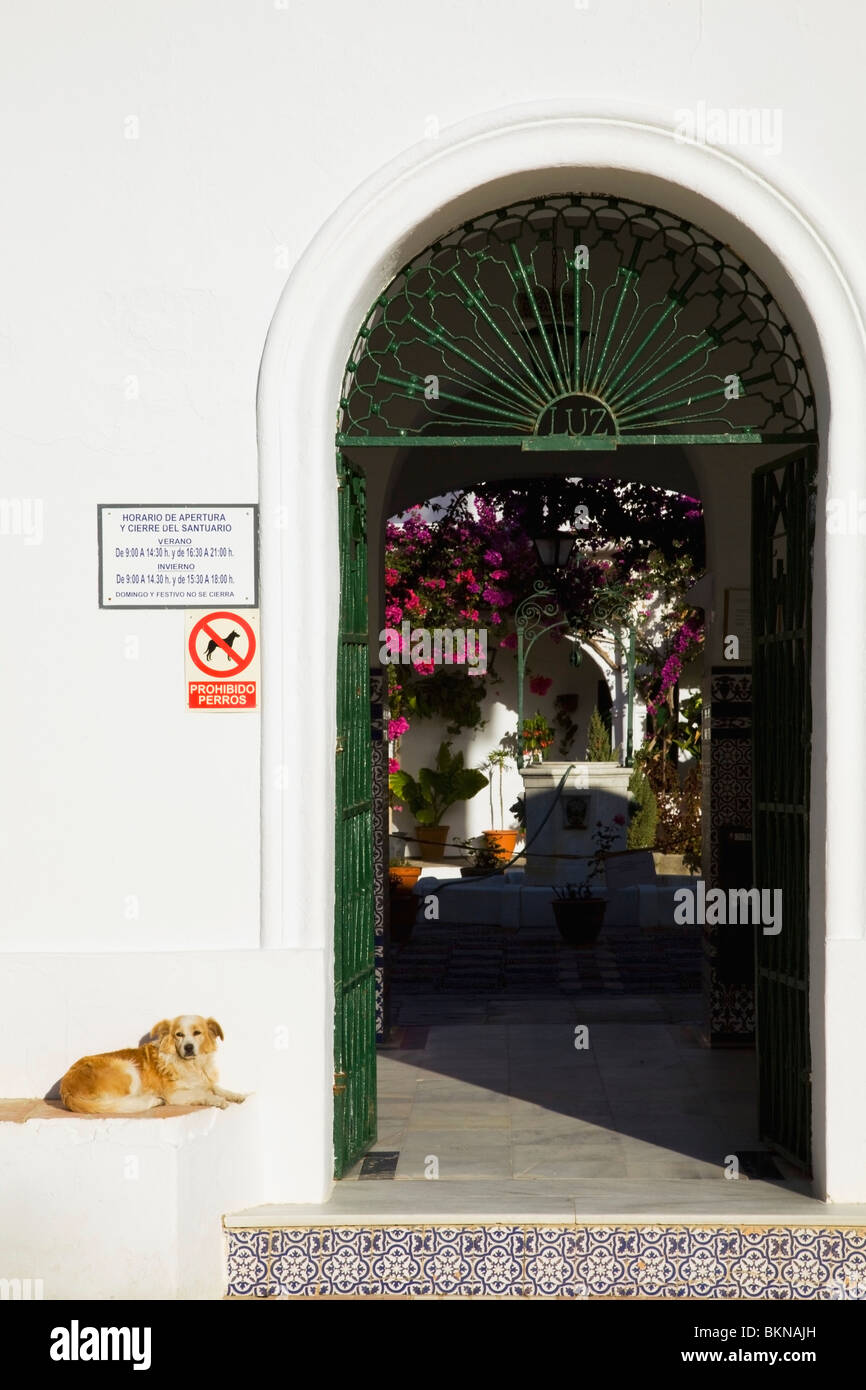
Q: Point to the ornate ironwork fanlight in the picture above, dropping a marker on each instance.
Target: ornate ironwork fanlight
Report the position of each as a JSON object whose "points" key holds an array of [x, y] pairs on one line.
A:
{"points": [[576, 322]]}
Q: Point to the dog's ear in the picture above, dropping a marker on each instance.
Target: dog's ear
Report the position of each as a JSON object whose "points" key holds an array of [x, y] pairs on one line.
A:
{"points": [[160, 1030], [214, 1029]]}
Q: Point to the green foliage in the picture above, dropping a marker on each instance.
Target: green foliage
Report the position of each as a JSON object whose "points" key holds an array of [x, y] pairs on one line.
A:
{"points": [[537, 735], [688, 732], [598, 749], [677, 787], [679, 830], [437, 788], [497, 760], [447, 695], [645, 811], [483, 856], [678, 795]]}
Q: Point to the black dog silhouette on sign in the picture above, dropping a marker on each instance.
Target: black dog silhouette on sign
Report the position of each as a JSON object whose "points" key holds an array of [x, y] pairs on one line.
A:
{"points": [[229, 641]]}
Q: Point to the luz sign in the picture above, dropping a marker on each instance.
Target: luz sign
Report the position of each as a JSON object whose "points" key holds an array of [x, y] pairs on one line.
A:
{"points": [[222, 659]]}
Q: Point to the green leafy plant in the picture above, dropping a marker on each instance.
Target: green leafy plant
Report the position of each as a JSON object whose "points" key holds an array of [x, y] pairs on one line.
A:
{"points": [[448, 695], [483, 856], [537, 735], [676, 785], [436, 788], [598, 748], [644, 812], [688, 730], [497, 761]]}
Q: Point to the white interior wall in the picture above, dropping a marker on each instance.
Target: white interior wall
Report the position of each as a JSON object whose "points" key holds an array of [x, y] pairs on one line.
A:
{"points": [[418, 748]]}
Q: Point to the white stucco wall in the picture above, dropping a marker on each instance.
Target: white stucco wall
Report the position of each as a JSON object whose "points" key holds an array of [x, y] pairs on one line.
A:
{"points": [[139, 279], [402, 209], [418, 748]]}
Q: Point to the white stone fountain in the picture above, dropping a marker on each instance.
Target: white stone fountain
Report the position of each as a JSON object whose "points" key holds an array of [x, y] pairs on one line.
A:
{"points": [[592, 792]]}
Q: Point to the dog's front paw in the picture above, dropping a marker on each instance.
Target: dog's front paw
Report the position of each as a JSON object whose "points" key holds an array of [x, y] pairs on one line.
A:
{"points": [[235, 1098], [219, 1103]]}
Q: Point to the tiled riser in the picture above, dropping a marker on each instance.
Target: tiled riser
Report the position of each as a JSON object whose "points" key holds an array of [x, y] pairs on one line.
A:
{"points": [[549, 1262]]}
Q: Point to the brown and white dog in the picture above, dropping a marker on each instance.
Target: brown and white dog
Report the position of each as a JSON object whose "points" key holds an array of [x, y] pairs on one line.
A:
{"points": [[177, 1068]]}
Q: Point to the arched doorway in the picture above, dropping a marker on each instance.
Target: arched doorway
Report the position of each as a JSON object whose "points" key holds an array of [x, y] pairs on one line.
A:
{"points": [[577, 327]]}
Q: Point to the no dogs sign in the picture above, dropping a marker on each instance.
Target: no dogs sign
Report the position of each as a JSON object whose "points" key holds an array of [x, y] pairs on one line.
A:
{"points": [[222, 659]]}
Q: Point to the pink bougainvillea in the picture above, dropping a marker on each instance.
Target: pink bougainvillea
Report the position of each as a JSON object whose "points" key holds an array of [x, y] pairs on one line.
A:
{"points": [[467, 560], [684, 645]]}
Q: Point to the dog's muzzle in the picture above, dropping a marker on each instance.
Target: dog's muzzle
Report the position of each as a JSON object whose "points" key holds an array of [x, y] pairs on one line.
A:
{"points": [[188, 1049]]}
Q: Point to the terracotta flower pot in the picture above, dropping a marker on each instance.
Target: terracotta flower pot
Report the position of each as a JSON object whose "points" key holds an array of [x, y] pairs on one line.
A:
{"points": [[431, 840], [403, 877], [579, 919], [403, 902], [503, 842]]}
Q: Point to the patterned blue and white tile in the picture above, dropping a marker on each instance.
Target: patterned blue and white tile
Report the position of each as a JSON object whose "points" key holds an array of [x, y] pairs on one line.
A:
{"points": [[399, 1259], [578, 1262], [295, 1256], [347, 1262], [247, 1263], [549, 1264], [448, 1266]]}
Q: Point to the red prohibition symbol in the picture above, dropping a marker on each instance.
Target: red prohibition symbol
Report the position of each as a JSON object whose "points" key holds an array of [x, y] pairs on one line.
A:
{"points": [[240, 663]]}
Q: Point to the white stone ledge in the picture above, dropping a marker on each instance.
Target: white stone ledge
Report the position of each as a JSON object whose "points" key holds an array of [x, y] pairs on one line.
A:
{"points": [[123, 1206], [701, 1202]]}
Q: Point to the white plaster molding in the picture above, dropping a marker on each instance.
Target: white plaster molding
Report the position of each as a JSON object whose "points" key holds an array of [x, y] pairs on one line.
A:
{"points": [[431, 187]]}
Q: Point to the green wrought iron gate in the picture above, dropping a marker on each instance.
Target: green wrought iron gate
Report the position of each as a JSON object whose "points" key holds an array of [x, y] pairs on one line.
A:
{"points": [[583, 323], [783, 525], [354, 972]]}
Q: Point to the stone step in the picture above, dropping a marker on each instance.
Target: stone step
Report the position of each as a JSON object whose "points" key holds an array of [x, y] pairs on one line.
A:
{"points": [[276, 1254]]}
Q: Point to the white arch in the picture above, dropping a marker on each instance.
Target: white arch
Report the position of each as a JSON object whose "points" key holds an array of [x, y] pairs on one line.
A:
{"points": [[469, 169]]}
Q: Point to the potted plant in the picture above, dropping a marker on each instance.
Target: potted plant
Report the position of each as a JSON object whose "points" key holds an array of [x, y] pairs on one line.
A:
{"points": [[402, 875], [537, 737], [485, 859], [429, 796], [578, 911], [518, 811], [402, 878], [502, 841]]}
